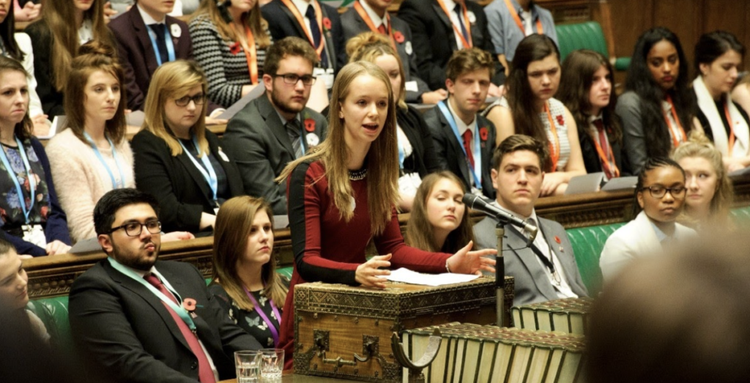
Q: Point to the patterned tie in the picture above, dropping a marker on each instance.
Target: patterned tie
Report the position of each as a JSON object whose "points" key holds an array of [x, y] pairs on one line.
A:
{"points": [[467, 145], [315, 31], [161, 38], [459, 12], [294, 130], [205, 374]]}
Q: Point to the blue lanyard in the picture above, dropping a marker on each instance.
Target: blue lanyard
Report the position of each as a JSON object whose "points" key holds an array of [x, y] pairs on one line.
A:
{"points": [[477, 145], [168, 43], [14, 177], [184, 315], [210, 176], [115, 184]]}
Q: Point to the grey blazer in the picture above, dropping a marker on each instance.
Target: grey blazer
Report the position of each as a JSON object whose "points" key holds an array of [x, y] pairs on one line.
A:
{"points": [[257, 141], [531, 281]]}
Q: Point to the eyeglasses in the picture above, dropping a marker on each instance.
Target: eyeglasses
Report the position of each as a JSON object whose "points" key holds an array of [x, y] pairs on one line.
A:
{"points": [[134, 229], [658, 191], [198, 99], [291, 79]]}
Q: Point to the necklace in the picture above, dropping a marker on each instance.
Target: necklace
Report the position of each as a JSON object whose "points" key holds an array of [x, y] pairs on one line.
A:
{"points": [[358, 175]]}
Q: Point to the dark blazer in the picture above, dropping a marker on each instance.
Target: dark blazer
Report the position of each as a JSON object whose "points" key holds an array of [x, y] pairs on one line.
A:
{"points": [[354, 24], [591, 157], [180, 188], [424, 159], [41, 43], [450, 154], [531, 282], [137, 56], [282, 23], [56, 227], [125, 330], [434, 41], [258, 142]]}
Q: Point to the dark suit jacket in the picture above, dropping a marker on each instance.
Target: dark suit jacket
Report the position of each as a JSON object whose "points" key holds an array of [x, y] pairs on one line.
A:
{"points": [[424, 159], [41, 43], [531, 282], [180, 188], [257, 141], [282, 23], [591, 157], [434, 41], [125, 330], [137, 56], [354, 24], [450, 153]]}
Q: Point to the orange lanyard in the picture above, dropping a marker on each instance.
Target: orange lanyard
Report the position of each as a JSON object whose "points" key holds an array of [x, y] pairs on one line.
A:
{"points": [[513, 13], [467, 24], [608, 163], [363, 14], [675, 141], [301, 21], [554, 146], [731, 129], [250, 54]]}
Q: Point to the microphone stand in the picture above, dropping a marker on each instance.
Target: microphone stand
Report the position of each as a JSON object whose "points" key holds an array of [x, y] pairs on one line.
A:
{"points": [[500, 273]]}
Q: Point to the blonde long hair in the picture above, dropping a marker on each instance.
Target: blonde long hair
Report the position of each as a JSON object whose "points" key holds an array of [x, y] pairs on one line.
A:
{"points": [[381, 161], [233, 224], [368, 46], [174, 80], [253, 20]]}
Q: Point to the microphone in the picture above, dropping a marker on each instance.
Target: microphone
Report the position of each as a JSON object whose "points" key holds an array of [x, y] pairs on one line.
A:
{"points": [[478, 203]]}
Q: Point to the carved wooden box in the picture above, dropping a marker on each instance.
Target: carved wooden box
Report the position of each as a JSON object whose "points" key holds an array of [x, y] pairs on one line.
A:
{"points": [[345, 332]]}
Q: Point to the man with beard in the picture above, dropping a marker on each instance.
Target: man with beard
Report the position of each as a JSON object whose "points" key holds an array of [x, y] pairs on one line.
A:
{"points": [[137, 319], [276, 127]]}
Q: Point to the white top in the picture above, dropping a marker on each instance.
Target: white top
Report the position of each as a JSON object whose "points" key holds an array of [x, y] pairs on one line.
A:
{"points": [[450, 4], [557, 110], [377, 21], [462, 127], [86, 32]]}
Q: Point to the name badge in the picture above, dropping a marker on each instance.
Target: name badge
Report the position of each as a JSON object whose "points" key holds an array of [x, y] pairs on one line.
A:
{"points": [[411, 86], [325, 75], [34, 234], [408, 184]]}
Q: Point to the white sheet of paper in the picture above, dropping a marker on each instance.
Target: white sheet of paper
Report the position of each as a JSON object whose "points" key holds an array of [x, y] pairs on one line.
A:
{"points": [[587, 183], [405, 275], [621, 183], [237, 106]]}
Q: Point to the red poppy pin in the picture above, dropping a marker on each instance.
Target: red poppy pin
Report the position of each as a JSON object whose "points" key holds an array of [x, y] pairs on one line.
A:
{"points": [[188, 304], [398, 36], [234, 48], [326, 23], [557, 239], [560, 120], [44, 211], [483, 133], [309, 125]]}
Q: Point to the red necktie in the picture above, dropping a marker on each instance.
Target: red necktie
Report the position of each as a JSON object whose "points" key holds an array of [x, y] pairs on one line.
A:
{"points": [[604, 144], [205, 374], [467, 145], [381, 29]]}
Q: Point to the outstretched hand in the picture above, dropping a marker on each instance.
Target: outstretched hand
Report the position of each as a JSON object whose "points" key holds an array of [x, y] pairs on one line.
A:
{"points": [[370, 274], [471, 262]]}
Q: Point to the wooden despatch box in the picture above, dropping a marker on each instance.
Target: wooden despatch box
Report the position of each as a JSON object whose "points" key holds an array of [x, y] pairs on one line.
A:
{"points": [[345, 332]]}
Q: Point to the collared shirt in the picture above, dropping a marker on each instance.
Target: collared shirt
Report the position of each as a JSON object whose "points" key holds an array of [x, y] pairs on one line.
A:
{"points": [[376, 20], [450, 5], [147, 19], [504, 31], [563, 290], [462, 127], [86, 32], [594, 131], [660, 235], [302, 8]]}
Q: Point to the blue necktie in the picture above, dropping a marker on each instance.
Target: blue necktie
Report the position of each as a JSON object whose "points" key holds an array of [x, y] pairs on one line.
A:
{"points": [[315, 31], [161, 44], [459, 12]]}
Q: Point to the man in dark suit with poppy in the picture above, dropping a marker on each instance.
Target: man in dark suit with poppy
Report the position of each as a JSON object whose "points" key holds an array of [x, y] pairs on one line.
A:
{"points": [[276, 127], [464, 140], [137, 319]]}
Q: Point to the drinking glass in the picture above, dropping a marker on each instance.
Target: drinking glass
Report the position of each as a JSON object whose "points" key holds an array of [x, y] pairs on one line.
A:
{"points": [[271, 364], [247, 364]]}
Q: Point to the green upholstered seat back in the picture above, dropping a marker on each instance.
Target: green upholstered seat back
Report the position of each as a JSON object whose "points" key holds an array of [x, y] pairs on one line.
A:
{"points": [[588, 243], [54, 314], [586, 35]]}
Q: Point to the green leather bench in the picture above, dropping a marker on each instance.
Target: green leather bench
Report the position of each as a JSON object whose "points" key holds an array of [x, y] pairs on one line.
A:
{"points": [[588, 35]]}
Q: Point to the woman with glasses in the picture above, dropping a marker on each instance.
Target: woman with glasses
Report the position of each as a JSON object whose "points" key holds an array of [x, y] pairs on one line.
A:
{"points": [[659, 197], [177, 159]]}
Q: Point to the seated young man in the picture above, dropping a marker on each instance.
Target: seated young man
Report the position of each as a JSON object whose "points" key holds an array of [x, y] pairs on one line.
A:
{"points": [[547, 268], [463, 139], [13, 292]]}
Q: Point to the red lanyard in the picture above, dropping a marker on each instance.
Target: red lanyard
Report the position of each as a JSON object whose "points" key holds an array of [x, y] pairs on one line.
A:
{"points": [[554, 146], [731, 129], [608, 163], [301, 21], [250, 54], [513, 13], [675, 140], [363, 14], [467, 24]]}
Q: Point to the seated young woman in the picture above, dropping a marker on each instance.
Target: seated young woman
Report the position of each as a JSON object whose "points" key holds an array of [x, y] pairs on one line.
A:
{"points": [[586, 90], [709, 190], [533, 81], [416, 155], [13, 292], [245, 279], [657, 107], [347, 189], [178, 160], [658, 201], [718, 60], [439, 220], [230, 45], [32, 219]]}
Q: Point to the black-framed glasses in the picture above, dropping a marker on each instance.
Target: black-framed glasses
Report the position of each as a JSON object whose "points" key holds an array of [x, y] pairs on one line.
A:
{"points": [[134, 229], [658, 191], [198, 99], [291, 78]]}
